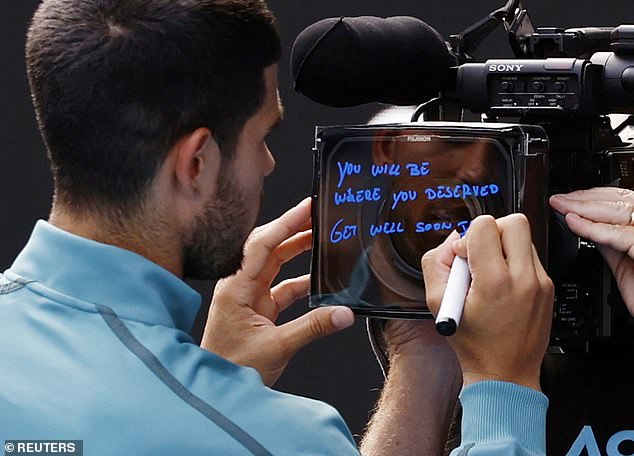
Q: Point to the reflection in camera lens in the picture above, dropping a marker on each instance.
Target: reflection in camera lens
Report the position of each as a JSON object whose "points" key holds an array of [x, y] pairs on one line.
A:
{"points": [[389, 194], [437, 221]]}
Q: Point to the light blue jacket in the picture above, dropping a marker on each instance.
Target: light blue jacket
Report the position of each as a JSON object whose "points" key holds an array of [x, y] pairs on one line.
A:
{"points": [[94, 347], [502, 419]]}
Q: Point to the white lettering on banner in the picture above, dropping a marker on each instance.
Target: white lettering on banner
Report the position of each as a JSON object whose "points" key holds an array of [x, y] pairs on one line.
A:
{"points": [[587, 441]]}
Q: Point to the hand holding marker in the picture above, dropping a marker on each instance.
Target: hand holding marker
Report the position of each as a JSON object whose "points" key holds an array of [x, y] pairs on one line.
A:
{"points": [[453, 300]]}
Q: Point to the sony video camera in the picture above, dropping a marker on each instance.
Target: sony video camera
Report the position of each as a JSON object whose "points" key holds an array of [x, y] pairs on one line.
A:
{"points": [[553, 120]]}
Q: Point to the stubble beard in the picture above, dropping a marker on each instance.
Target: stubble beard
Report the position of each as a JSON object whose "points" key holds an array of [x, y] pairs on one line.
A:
{"points": [[214, 246]]}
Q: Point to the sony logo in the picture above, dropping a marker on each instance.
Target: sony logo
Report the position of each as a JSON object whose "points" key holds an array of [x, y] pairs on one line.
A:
{"points": [[506, 67]]}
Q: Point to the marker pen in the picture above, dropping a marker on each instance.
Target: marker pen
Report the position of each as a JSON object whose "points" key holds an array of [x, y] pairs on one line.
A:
{"points": [[453, 300]]}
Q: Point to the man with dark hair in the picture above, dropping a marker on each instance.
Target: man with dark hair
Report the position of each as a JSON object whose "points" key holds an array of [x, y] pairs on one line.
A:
{"points": [[155, 115]]}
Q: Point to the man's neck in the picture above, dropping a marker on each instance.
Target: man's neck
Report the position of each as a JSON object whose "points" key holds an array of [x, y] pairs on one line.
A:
{"points": [[148, 238]]}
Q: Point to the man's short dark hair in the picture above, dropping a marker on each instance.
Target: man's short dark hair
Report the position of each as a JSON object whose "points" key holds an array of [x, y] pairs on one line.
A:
{"points": [[115, 83]]}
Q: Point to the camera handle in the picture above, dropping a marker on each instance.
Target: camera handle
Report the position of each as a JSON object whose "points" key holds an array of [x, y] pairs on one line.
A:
{"points": [[511, 15]]}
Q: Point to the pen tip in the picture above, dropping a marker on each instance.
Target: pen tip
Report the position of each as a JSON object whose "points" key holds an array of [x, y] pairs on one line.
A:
{"points": [[447, 328]]}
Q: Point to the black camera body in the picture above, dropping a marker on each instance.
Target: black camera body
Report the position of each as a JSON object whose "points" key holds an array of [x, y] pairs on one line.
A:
{"points": [[549, 126], [570, 98]]}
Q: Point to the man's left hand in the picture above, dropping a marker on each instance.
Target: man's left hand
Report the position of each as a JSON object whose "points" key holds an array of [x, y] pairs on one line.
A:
{"points": [[241, 323]]}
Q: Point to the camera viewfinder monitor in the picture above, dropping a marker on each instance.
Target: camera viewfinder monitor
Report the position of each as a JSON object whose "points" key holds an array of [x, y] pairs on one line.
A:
{"points": [[383, 195]]}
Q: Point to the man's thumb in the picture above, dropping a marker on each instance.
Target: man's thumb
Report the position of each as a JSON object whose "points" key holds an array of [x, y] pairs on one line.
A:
{"points": [[316, 324]]}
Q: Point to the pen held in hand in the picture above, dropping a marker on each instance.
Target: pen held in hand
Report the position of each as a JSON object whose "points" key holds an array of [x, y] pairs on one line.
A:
{"points": [[452, 304]]}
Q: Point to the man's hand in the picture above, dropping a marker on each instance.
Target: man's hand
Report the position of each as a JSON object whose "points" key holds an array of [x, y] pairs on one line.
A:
{"points": [[605, 216], [241, 322], [506, 322]]}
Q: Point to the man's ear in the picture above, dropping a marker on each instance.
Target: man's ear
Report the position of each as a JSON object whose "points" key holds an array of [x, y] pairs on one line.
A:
{"points": [[384, 147], [196, 161]]}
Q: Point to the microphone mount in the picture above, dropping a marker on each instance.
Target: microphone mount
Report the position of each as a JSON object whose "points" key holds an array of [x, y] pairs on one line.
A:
{"points": [[513, 16]]}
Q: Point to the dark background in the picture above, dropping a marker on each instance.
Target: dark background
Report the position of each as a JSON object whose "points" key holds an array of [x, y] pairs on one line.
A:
{"points": [[341, 369]]}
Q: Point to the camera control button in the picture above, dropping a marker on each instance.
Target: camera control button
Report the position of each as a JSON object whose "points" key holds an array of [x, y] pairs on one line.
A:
{"points": [[507, 86], [560, 86], [538, 86]]}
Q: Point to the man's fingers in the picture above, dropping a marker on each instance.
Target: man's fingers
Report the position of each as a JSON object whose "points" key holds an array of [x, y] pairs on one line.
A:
{"points": [[517, 245], [618, 237], [290, 290], [286, 251], [599, 194], [441, 256], [436, 264], [314, 325], [484, 248], [266, 238], [617, 210]]}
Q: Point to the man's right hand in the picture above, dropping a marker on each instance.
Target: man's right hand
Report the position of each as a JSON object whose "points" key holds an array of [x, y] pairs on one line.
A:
{"points": [[506, 322]]}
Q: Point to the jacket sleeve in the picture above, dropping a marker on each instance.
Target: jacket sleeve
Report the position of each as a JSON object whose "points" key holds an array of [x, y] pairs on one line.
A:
{"points": [[502, 419]]}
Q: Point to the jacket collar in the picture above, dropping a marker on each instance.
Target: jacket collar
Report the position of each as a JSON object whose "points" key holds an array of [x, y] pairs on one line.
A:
{"points": [[131, 285]]}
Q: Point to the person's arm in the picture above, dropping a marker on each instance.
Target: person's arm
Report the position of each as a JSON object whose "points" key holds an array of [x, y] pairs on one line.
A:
{"points": [[424, 379], [416, 405], [605, 216], [241, 322], [502, 337]]}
